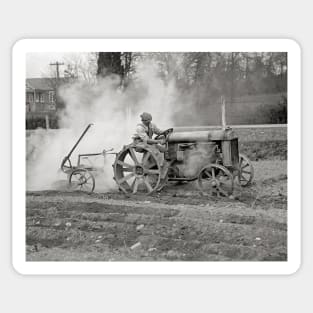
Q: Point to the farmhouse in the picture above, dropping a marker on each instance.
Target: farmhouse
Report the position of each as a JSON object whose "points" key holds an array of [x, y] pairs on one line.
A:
{"points": [[40, 96], [42, 102]]}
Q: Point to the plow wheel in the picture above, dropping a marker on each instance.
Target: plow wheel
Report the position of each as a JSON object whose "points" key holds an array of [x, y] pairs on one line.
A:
{"points": [[137, 172], [216, 180], [246, 171], [82, 179]]}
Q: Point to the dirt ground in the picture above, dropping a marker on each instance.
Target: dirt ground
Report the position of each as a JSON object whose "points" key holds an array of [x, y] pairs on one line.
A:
{"points": [[177, 224]]}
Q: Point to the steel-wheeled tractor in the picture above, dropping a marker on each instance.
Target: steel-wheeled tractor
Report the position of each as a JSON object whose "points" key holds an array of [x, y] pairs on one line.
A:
{"points": [[209, 156]]}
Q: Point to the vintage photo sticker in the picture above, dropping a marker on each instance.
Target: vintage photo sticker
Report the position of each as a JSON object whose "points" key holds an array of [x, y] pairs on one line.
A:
{"points": [[156, 156]]}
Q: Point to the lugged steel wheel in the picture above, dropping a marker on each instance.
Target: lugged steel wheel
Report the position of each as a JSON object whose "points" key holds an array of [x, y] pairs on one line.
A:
{"points": [[245, 172], [215, 179], [82, 179], [137, 169]]}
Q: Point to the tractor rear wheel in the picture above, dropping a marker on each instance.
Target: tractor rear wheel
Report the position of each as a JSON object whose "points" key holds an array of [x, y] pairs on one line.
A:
{"points": [[137, 170]]}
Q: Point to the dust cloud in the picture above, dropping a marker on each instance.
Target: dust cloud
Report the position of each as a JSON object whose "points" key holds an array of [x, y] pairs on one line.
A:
{"points": [[114, 114]]}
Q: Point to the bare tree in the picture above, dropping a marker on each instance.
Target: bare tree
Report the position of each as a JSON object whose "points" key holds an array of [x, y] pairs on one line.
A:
{"points": [[81, 66]]}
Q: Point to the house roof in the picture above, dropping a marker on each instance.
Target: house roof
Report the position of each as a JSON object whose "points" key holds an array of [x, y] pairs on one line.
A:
{"points": [[44, 83], [39, 83]]}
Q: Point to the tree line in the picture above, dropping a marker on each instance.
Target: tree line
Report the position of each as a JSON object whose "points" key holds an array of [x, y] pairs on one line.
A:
{"points": [[206, 76], [230, 73], [200, 78]]}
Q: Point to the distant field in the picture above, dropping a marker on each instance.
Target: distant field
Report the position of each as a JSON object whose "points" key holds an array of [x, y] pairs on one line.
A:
{"points": [[249, 109], [262, 134]]}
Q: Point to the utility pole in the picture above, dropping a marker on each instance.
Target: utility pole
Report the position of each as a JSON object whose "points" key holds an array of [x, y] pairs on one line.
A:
{"points": [[57, 64]]}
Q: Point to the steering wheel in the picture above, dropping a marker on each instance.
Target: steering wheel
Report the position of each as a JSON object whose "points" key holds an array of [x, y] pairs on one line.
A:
{"points": [[165, 134]]}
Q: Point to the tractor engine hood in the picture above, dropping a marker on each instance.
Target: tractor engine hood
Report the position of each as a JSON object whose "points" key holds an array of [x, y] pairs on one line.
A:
{"points": [[202, 136]]}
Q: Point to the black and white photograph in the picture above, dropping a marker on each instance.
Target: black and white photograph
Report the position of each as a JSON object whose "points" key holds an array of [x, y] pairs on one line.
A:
{"points": [[164, 157]]}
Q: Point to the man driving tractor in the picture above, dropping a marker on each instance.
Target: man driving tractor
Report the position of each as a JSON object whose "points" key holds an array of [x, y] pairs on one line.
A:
{"points": [[145, 130], [143, 136]]}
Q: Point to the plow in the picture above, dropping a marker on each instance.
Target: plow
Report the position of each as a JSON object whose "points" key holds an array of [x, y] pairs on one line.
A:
{"points": [[82, 175]]}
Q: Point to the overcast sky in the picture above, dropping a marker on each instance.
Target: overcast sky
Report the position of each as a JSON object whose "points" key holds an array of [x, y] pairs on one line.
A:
{"points": [[37, 64]]}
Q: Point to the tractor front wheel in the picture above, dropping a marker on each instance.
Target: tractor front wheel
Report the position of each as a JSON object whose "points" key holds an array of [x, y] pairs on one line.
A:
{"points": [[215, 179]]}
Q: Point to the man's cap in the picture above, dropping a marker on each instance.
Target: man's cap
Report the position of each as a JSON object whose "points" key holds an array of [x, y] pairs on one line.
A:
{"points": [[146, 116]]}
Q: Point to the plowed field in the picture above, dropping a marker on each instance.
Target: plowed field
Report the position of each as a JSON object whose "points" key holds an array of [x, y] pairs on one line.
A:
{"points": [[177, 224]]}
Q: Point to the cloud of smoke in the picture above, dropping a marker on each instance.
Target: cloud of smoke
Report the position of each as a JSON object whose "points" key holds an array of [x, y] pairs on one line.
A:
{"points": [[195, 157], [114, 114]]}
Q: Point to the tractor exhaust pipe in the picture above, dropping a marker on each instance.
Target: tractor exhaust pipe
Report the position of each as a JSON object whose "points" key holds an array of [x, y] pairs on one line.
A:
{"points": [[223, 108]]}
